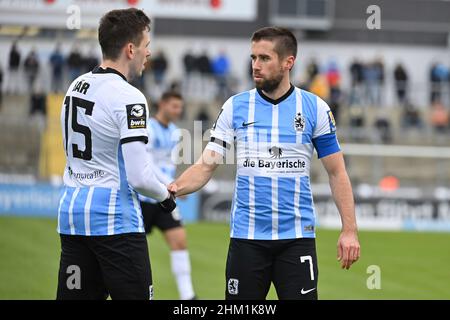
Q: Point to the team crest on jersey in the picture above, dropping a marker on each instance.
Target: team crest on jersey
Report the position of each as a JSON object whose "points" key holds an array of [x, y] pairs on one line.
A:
{"points": [[136, 116], [299, 122], [233, 286]]}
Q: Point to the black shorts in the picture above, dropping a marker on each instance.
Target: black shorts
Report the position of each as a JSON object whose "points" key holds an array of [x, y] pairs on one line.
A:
{"points": [[252, 265], [95, 267], [155, 216]]}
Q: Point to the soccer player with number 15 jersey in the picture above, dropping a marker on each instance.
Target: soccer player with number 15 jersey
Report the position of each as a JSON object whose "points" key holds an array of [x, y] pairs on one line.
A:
{"points": [[104, 121]]}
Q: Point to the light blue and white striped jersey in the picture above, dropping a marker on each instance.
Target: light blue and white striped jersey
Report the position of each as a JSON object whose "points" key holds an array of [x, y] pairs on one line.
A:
{"points": [[162, 141], [274, 143], [101, 111]]}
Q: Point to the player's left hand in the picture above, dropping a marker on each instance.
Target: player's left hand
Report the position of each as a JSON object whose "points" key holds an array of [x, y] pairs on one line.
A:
{"points": [[169, 204], [348, 248]]}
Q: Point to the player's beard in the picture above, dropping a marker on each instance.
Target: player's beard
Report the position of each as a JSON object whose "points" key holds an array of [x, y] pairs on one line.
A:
{"points": [[269, 85]]}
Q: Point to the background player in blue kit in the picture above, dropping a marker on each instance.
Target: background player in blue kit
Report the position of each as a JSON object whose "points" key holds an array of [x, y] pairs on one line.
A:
{"points": [[163, 138], [275, 128]]}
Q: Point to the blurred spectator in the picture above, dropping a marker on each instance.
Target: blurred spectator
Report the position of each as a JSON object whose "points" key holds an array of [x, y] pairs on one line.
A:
{"points": [[334, 80], [379, 71], [312, 70], [439, 76], [401, 83], [439, 117], [434, 84], [204, 64], [37, 101], [335, 101], [373, 76], [91, 61], [357, 124], [189, 63], [221, 70], [333, 74], [411, 118], [31, 67], [57, 64], [159, 67], [74, 63], [190, 70], [319, 86], [383, 128], [13, 65], [204, 67], [203, 116], [356, 74]]}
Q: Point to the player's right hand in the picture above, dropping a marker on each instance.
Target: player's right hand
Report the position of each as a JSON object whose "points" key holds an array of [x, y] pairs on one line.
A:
{"points": [[173, 188]]}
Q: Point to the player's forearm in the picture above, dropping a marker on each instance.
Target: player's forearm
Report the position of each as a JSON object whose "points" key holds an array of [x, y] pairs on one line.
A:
{"points": [[193, 179], [341, 190], [197, 175], [139, 172], [163, 178], [148, 185]]}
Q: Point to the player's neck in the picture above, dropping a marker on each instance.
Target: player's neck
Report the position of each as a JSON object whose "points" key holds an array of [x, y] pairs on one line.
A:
{"points": [[116, 65], [280, 91], [162, 120]]}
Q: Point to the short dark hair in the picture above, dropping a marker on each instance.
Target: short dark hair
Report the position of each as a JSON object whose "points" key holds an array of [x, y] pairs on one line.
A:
{"points": [[119, 27], [285, 41], [171, 94]]}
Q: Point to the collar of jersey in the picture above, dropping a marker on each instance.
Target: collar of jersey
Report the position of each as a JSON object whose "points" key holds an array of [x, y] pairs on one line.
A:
{"points": [[279, 100], [108, 70], [161, 124]]}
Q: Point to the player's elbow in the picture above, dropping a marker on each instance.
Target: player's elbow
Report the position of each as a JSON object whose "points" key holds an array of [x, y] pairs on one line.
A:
{"points": [[147, 185], [137, 182], [209, 161]]}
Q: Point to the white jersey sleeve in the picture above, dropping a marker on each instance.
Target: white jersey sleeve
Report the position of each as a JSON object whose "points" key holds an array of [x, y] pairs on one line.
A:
{"points": [[131, 114], [140, 171], [222, 133], [325, 120], [324, 136]]}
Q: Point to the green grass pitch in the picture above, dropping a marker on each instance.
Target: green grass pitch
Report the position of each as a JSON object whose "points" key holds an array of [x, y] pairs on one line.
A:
{"points": [[413, 265]]}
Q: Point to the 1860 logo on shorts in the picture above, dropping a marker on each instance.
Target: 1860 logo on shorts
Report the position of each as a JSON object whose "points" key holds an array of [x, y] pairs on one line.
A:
{"points": [[233, 286]]}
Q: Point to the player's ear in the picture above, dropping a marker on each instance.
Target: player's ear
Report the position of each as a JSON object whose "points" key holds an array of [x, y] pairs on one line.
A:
{"points": [[129, 50], [290, 60]]}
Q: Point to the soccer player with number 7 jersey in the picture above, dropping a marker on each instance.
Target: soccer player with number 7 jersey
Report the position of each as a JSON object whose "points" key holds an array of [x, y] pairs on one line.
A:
{"points": [[274, 129]]}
